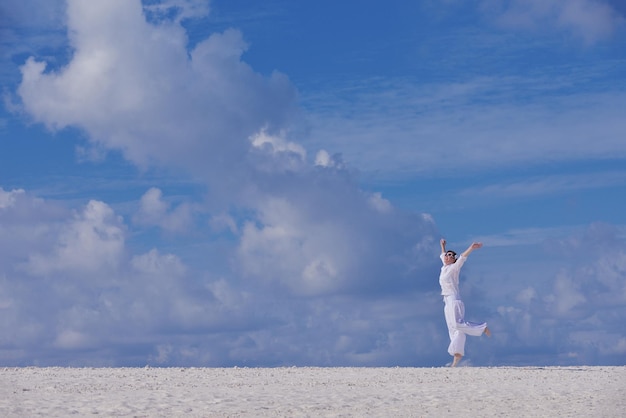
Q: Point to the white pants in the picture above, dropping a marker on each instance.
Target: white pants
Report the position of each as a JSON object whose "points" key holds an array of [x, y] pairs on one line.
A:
{"points": [[458, 327]]}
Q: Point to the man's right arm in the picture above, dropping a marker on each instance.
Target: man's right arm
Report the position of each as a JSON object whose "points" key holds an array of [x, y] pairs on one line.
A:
{"points": [[471, 248]]}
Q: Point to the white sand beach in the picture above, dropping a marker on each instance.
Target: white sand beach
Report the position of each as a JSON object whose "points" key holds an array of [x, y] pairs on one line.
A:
{"points": [[314, 392]]}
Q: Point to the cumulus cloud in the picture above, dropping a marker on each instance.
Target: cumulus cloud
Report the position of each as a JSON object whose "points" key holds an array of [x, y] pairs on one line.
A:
{"points": [[563, 311], [324, 159], [285, 249], [154, 211], [321, 234], [154, 263], [27, 224], [276, 152], [170, 105], [82, 290], [7, 199], [92, 242], [290, 245], [151, 307]]}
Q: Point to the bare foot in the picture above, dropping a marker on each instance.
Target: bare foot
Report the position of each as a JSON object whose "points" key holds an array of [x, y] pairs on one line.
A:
{"points": [[457, 358], [487, 332]]}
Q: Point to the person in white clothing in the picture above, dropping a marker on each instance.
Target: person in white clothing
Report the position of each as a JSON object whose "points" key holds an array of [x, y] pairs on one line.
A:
{"points": [[454, 309]]}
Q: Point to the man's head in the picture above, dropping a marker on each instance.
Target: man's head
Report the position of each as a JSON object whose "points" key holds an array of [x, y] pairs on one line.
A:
{"points": [[449, 257]]}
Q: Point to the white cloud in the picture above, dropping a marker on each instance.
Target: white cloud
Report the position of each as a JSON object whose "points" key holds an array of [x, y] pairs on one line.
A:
{"points": [[154, 263], [7, 199], [319, 275], [277, 153], [285, 249], [92, 242], [331, 239], [576, 296], [232, 320], [379, 203], [81, 286], [590, 20], [277, 144], [566, 295], [133, 86], [27, 225], [154, 211], [324, 159]]}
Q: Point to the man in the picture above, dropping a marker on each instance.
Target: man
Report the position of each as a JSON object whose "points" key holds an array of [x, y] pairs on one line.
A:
{"points": [[454, 309]]}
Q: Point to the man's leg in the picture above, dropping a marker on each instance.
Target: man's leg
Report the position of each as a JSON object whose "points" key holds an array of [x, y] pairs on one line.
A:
{"points": [[457, 358]]}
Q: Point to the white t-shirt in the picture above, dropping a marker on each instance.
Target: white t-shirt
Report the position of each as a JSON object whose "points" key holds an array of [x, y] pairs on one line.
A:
{"points": [[449, 277]]}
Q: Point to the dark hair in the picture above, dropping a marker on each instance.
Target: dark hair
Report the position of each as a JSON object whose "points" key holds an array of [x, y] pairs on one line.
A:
{"points": [[453, 253]]}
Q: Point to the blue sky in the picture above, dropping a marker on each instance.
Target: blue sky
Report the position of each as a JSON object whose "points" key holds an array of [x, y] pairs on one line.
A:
{"points": [[249, 183]]}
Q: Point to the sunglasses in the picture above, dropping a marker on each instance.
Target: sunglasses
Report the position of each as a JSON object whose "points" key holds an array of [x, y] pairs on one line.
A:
{"points": [[449, 255]]}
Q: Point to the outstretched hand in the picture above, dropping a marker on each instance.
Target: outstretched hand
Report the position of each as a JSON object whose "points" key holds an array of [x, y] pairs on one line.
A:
{"points": [[474, 246]]}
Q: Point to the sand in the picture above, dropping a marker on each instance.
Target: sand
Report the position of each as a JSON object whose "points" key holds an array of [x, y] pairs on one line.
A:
{"points": [[314, 392]]}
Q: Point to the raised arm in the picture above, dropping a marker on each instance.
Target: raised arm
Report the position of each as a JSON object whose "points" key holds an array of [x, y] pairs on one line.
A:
{"points": [[443, 245], [471, 248]]}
